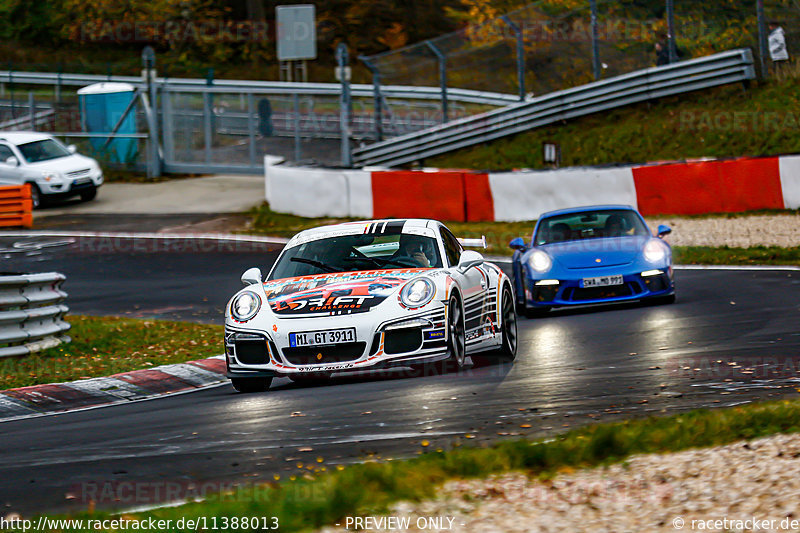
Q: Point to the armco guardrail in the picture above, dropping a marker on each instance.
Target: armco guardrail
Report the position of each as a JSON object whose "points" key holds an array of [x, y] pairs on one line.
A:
{"points": [[31, 313], [263, 87], [683, 77], [16, 206]]}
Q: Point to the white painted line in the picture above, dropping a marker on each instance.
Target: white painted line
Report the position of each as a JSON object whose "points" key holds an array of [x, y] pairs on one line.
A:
{"points": [[161, 236]]}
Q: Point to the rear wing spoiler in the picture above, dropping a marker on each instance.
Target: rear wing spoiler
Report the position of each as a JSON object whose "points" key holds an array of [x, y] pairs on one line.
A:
{"points": [[474, 243]]}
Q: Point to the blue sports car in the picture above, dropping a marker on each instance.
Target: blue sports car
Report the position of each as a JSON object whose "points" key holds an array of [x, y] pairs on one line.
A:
{"points": [[591, 255]]}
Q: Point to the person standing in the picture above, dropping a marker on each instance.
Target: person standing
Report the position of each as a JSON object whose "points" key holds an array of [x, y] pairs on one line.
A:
{"points": [[777, 47]]}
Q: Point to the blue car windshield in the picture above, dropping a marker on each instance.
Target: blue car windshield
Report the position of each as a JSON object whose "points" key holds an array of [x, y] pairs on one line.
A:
{"points": [[353, 253], [593, 224]]}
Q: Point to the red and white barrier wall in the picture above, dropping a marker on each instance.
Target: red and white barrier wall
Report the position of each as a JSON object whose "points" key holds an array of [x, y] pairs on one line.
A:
{"points": [[697, 187]]}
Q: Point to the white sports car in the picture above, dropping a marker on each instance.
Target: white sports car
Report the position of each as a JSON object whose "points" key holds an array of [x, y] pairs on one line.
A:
{"points": [[367, 295]]}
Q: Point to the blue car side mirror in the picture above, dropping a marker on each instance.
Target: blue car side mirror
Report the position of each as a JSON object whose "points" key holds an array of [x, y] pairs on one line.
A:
{"points": [[518, 244], [664, 230]]}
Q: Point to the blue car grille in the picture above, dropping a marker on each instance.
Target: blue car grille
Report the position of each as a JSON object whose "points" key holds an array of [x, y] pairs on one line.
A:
{"points": [[577, 294]]}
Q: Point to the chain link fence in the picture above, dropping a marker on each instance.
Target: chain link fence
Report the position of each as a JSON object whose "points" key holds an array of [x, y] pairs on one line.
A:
{"points": [[559, 45]]}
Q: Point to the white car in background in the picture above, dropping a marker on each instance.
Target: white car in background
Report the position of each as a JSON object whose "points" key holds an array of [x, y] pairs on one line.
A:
{"points": [[368, 295], [52, 169]]}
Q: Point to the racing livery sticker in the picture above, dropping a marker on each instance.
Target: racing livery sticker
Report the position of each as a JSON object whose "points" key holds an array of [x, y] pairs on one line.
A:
{"points": [[352, 292]]}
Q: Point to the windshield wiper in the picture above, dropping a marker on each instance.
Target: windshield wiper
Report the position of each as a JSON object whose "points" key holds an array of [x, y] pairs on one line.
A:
{"points": [[319, 264]]}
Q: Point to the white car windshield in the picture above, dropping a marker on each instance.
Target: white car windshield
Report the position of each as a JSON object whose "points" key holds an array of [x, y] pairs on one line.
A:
{"points": [[353, 253], [43, 150], [589, 225]]}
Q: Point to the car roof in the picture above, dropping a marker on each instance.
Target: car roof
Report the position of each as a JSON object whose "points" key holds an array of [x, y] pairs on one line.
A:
{"points": [[571, 210], [22, 137], [367, 224]]}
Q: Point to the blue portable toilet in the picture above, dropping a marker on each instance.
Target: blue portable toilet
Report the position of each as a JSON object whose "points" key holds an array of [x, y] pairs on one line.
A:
{"points": [[102, 105]]}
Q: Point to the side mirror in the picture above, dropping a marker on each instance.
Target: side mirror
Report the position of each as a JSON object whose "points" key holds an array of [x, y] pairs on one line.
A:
{"points": [[252, 276], [518, 244], [72, 148], [664, 230], [12, 161], [469, 259]]}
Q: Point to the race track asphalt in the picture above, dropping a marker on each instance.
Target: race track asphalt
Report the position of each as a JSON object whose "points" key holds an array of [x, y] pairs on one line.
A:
{"points": [[731, 338]]}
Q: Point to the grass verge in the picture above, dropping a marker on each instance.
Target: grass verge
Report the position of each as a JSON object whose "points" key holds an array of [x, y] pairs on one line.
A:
{"points": [[724, 255], [102, 346], [499, 234], [324, 497]]}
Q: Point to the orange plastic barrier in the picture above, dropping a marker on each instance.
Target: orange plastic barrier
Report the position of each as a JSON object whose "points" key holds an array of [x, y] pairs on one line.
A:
{"points": [[442, 195], [479, 202], [709, 187], [16, 207], [409, 194]]}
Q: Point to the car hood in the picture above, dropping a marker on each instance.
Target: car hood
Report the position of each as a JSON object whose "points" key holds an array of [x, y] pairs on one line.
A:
{"points": [[597, 253], [339, 293], [65, 165]]}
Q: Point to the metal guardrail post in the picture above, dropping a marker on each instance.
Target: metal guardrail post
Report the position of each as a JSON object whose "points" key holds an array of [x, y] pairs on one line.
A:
{"points": [[763, 47], [671, 47], [520, 55], [296, 124], [167, 125], [342, 58], [377, 97], [32, 111], [595, 42], [251, 127], [442, 77], [149, 64]]}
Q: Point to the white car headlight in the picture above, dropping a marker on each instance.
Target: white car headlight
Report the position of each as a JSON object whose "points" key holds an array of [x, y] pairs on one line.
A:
{"points": [[540, 261], [245, 306], [51, 176], [655, 251], [417, 292]]}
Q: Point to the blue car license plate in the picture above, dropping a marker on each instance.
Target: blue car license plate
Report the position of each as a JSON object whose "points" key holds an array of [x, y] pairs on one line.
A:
{"points": [[605, 281]]}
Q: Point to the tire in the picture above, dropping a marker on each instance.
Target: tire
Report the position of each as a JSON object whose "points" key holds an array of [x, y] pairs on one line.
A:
{"points": [[36, 196], [251, 384], [508, 326], [456, 338], [89, 195]]}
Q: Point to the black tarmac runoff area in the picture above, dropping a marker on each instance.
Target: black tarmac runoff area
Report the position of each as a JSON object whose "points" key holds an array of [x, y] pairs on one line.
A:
{"points": [[731, 338]]}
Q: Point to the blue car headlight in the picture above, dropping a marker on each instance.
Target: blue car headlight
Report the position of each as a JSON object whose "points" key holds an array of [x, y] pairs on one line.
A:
{"points": [[655, 251], [540, 261], [245, 306], [417, 292]]}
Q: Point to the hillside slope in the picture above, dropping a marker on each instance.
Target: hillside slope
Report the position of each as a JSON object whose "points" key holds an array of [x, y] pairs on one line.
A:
{"points": [[732, 121]]}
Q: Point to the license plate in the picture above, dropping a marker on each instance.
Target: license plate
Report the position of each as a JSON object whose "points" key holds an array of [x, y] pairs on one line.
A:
{"points": [[605, 281], [82, 181], [328, 336]]}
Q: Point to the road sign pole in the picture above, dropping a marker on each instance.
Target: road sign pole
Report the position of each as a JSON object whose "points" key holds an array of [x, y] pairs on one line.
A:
{"points": [[342, 58]]}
